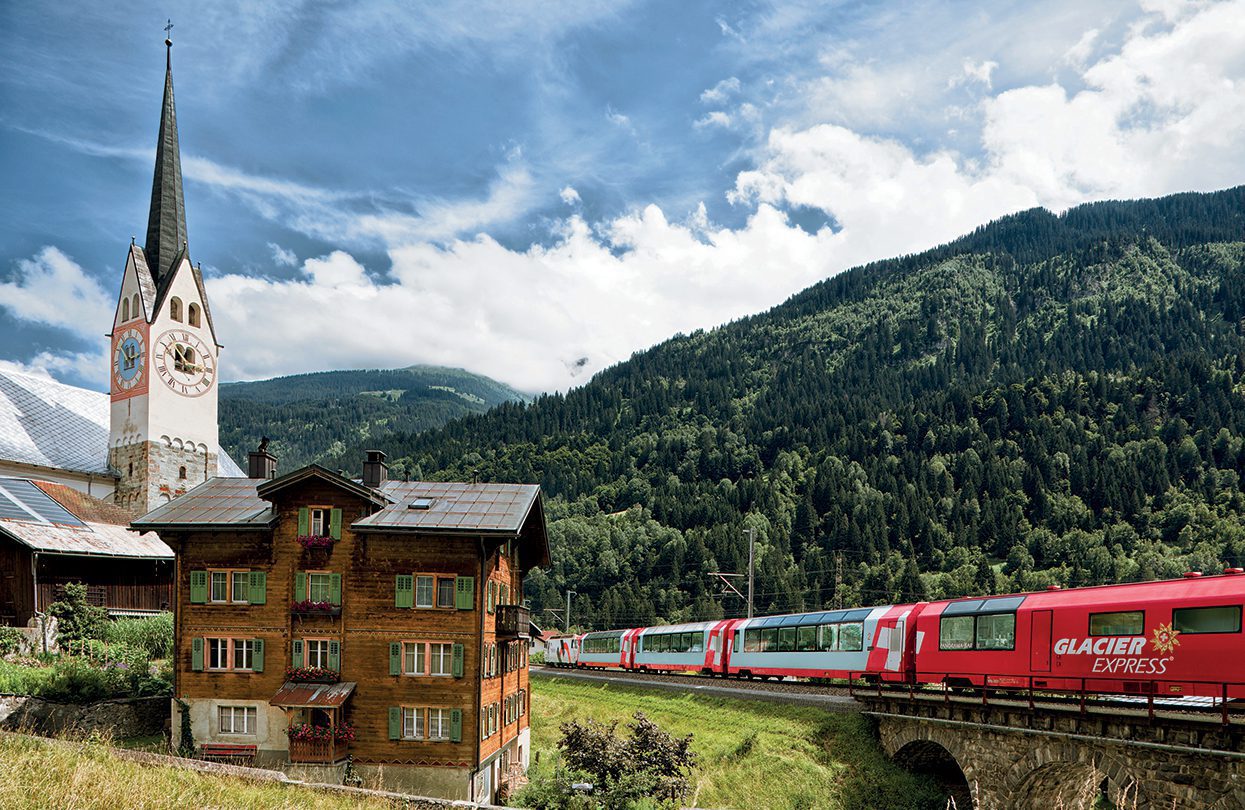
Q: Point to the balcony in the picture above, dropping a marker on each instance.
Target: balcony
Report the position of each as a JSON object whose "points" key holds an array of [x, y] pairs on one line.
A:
{"points": [[318, 751], [514, 621]]}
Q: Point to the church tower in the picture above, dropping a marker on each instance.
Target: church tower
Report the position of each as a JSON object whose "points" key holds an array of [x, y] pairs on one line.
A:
{"points": [[163, 364]]}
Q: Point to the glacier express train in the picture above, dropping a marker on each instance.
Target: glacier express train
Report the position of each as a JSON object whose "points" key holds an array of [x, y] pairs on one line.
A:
{"points": [[1172, 637]]}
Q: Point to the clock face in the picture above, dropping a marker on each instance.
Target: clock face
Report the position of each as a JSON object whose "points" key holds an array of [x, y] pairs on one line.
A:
{"points": [[129, 361], [184, 362]]}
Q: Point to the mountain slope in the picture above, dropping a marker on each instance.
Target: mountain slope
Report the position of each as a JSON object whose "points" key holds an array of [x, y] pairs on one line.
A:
{"points": [[1048, 399], [331, 416]]}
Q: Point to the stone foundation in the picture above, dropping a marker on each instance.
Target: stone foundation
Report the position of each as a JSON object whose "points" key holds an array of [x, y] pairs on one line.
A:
{"points": [[127, 717]]}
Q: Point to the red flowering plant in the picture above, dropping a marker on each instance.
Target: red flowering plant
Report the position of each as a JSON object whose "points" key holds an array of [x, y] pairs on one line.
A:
{"points": [[306, 732], [312, 675], [315, 540], [308, 606], [344, 733]]}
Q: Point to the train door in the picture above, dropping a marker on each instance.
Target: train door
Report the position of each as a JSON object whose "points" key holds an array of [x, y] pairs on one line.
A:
{"points": [[1039, 641]]}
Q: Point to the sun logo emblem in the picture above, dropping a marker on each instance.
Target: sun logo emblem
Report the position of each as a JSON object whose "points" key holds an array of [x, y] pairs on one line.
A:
{"points": [[1166, 638]]}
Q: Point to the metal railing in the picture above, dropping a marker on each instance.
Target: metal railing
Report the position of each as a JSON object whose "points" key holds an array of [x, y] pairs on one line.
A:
{"points": [[513, 620]]}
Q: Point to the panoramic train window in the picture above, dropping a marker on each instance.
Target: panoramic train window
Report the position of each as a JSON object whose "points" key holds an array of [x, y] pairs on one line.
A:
{"points": [[1226, 619], [852, 637], [752, 640], [769, 639], [786, 639], [956, 633], [807, 638], [1123, 623], [602, 644]]}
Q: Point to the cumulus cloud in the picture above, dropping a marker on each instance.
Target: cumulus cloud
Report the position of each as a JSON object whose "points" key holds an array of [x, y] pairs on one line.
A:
{"points": [[51, 289], [282, 256], [569, 196], [716, 118], [721, 91]]}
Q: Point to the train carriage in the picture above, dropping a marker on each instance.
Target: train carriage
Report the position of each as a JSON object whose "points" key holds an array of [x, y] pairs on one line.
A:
{"points": [[692, 647], [601, 650], [562, 651], [863, 642], [1175, 637]]}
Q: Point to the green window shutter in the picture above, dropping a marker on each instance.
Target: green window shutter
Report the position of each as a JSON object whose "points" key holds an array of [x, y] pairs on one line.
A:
{"points": [[198, 587], [335, 589], [257, 593], [335, 524], [458, 660], [395, 722], [304, 522], [465, 593], [505, 594], [404, 591], [300, 586], [456, 725], [196, 654], [395, 658], [335, 655], [296, 653], [257, 655]]}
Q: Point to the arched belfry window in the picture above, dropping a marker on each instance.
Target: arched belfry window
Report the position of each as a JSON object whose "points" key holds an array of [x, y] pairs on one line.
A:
{"points": [[125, 309], [181, 473], [135, 309], [192, 314], [175, 309]]}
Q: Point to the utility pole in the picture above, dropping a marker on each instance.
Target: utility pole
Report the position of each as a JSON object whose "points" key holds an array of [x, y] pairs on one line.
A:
{"points": [[569, 594], [726, 578], [838, 579]]}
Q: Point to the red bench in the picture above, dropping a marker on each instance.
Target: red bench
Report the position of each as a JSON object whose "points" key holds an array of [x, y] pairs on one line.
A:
{"points": [[230, 753]]}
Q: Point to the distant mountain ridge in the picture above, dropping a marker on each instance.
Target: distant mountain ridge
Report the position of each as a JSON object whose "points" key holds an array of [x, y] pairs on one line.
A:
{"points": [[332, 416]]}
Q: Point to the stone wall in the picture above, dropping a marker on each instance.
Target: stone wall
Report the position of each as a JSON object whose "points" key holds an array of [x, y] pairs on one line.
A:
{"points": [[126, 717]]}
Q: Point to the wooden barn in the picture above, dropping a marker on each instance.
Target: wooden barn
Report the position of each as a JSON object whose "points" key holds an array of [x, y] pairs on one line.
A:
{"points": [[319, 616], [52, 534]]}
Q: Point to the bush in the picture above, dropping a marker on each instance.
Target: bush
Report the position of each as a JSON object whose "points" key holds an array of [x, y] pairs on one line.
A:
{"points": [[10, 640], [76, 620], [153, 634]]}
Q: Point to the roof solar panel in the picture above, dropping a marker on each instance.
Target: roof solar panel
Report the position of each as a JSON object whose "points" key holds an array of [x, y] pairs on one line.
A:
{"points": [[22, 500]]}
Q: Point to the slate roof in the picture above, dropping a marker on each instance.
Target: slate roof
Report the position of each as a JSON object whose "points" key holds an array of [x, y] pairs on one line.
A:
{"points": [[453, 506], [230, 502], [49, 424], [73, 524]]}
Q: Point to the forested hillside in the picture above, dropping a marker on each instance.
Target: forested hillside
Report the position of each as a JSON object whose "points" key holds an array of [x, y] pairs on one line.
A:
{"points": [[333, 416], [1051, 399]]}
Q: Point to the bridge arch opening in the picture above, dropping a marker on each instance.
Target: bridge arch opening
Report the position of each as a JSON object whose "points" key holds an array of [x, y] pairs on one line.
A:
{"points": [[1074, 786], [928, 757]]}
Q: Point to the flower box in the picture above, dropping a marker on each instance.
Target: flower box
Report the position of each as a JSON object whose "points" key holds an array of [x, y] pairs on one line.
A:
{"points": [[312, 675], [310, 608], [315, 541]]}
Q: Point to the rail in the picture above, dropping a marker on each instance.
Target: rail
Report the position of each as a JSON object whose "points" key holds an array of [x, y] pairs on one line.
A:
{"points": [[317, 751], [514, 620], [147, 598]]}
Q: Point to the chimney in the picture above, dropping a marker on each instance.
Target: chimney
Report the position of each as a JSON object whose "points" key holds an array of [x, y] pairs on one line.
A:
{"points": [[375, 470], [260, 463]]}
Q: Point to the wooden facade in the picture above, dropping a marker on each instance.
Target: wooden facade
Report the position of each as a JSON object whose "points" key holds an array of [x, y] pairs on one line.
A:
{"points": [[473, 699]]}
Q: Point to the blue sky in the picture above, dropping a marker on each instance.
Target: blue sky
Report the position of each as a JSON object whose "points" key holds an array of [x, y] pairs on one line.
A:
{"points": [[536, 190]]}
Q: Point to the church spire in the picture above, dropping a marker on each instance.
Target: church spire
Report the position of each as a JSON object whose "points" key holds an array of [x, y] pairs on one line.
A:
{"points": [[166, 220]]}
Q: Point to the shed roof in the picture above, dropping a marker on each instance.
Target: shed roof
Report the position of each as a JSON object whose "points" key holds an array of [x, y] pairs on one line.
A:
{"points": [[224, 502], [71, 524], [453, 506], [312, 695]]}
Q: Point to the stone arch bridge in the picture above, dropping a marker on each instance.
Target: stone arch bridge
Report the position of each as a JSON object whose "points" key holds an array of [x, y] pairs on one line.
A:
{"points": [[1018, 755]]}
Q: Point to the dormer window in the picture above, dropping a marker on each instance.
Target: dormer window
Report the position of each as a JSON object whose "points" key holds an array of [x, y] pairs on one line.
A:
{"points": [[175, 309], [192, 314], [319, 521]]}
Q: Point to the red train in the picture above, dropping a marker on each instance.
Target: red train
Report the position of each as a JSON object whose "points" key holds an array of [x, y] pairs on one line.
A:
{"points": [[1173, 637]]}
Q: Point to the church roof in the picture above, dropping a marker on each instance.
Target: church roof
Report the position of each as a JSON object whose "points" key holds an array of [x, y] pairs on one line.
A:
{"points": [[166, 218], [46, 423]]}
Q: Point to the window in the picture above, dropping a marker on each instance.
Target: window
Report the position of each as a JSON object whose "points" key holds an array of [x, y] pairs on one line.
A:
{"points": [[136, 308], [319, 588], [184, 359], [604, 644], [319, 517], [1123, 623], [1226, 619], [237, 719], [317, 652], [852, 637], [423, 591], [806, 638], [415, 658], [413, 726], [440, 659], [769, 639], [752, 640], [226, 586], [445, 592], [438, 724], [220, 586], [224, 654], [786, 639], [181, 473], [175, 309], [993, 631], [193, 314], [125, 309]]}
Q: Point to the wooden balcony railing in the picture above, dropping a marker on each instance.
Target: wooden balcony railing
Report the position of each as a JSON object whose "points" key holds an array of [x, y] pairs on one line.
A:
{"points": [[151, 598], [325, 751], [514, 620]]}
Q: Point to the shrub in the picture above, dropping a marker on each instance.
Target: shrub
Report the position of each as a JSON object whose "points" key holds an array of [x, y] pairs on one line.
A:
{"points": [[153, 634], [10, 640], [76, 620]]}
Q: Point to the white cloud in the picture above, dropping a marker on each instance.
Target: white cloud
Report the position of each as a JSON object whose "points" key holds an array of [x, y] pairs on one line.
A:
{"points": [[717, 118], [52, 290], [979, 72], [569, 196], [721, 91], [282, 256]]}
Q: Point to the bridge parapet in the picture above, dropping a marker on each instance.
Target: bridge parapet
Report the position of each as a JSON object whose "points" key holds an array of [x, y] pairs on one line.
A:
{"points": [[1007, 754]]}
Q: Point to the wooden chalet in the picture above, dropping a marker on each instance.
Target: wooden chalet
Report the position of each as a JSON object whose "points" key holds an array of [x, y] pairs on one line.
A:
{"points": [[320, 617], [52, 535]]}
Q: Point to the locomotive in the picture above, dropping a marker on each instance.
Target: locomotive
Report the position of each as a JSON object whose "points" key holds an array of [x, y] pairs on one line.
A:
{"points": [[1170, 637]]}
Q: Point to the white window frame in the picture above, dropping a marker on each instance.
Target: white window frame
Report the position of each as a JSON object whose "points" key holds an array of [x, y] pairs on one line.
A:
{"points": [[414, 724], [318, 520], [438, 727], [323, 584], [224, 577], [441, 581], [418, 650], [441, 654], [321, 647], [239, 592], [431, 584], [248, 714]]}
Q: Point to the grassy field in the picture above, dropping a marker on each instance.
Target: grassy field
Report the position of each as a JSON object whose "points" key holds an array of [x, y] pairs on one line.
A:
{"points": [[38, 773], [797, 757]]}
